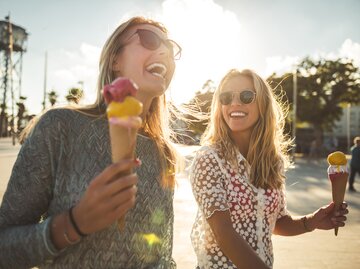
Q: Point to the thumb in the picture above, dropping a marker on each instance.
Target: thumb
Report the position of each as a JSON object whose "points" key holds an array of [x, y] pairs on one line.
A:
{"points": [[328, 209]]}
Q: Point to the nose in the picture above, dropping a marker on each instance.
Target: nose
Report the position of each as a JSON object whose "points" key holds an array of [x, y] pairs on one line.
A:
{"points": [[164, 50], [235, 99]]}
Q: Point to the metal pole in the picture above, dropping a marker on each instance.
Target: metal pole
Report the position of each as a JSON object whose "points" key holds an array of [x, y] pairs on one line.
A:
{"points": [[294, 109], [45, 78], [348, 127], [10, 70]]}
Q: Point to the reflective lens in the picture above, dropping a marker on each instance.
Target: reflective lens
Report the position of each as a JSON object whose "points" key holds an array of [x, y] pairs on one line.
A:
{"points": [[152, 41], [244, 97]]}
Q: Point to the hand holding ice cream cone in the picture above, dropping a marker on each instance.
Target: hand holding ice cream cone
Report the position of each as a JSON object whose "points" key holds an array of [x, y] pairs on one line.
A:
{"points": [[338, 175], [123, 113]]}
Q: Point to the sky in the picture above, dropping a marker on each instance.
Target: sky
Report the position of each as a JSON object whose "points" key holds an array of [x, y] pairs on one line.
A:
{"points": [[216, 35]]}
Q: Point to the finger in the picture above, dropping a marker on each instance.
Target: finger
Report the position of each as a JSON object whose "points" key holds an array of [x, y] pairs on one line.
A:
{"points": [[120, 184], [344, 205], [112, 170], [122, 209], [341, 212], [327, 209], [123, 196]]}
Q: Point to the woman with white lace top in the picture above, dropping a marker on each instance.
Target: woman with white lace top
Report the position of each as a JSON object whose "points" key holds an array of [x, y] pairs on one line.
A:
{"points": [[238, 179]]}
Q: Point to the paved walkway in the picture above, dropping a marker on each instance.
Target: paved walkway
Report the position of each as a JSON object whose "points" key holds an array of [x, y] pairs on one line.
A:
{"points": [[307, 189]]}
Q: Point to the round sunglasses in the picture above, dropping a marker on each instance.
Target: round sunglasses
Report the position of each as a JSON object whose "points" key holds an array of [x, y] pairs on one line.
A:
{"points": [[151, 41], [245, 97]]}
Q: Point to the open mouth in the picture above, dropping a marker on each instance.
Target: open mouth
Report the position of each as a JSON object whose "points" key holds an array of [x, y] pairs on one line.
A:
{"points": [[238, 114], [157, 69]]}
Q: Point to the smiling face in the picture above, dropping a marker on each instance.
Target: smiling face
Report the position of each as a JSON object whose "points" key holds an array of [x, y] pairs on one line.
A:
{"points": [[240, 118], [151, 70]]}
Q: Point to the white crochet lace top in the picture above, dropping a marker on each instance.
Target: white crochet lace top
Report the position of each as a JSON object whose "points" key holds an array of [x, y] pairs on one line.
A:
{"points": [[254, 211]]}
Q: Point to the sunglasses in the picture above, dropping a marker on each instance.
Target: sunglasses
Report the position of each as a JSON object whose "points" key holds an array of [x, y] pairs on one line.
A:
{"points": [[151, 41], [245, 97]]}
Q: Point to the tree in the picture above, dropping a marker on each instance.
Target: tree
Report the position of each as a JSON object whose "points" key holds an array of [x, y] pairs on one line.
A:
{"points": [[52, 97], [74, 95], [323, 87]]}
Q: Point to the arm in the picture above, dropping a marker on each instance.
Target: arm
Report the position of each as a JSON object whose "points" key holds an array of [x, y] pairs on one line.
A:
{"points": [[24, 242], [232, 244], [323, 219]]}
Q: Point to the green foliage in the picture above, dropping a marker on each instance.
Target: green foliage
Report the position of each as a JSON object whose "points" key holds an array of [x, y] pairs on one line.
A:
{"points": [[52, 97], [74, 95], [323, 87]]}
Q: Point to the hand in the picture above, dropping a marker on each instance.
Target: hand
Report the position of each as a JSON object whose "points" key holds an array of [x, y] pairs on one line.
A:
{"points": [[326, 219], [108, 197]]}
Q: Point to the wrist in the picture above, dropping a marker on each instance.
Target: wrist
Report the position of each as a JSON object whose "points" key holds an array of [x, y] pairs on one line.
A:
{"points": [[74, 223], [70, 235], [307, 223]]}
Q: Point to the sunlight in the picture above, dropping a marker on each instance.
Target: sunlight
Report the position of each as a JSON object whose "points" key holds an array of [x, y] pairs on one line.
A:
{"points": [[211, 38]]}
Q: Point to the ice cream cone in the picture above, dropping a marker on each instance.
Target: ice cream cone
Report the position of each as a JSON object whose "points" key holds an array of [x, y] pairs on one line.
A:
{"points": [[123, 141], [338, 186], [123, 112], [338, 175]]}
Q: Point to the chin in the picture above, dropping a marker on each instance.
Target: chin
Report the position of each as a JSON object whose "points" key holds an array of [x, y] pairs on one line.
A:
{"points": [[155, 90]]}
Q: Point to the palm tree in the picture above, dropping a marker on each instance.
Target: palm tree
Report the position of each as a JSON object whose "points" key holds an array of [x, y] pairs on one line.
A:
{"points": [[74, 95], [52, 97]]}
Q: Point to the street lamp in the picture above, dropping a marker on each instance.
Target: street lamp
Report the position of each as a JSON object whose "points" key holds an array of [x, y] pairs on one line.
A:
{"points": [[348, 131]]}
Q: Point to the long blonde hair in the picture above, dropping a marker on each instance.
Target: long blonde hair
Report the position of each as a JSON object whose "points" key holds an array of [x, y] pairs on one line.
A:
{"points": [[155, 122], [268, 148]]}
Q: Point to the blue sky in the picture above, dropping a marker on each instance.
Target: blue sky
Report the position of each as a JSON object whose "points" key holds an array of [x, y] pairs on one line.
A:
{"points": [[266, 36]]}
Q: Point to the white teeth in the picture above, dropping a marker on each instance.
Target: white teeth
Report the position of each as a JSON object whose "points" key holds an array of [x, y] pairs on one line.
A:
{"points": [[157, 69], [237, 114]]}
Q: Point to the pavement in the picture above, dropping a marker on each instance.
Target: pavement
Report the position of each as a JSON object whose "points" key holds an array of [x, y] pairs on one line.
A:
{"points": [[307, 189]]}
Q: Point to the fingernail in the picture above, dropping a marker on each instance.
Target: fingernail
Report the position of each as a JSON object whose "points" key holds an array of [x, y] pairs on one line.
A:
{"points": [[137, 161]]}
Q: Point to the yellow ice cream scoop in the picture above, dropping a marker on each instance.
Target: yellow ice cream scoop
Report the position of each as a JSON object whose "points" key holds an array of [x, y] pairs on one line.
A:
{"points": [[129, 107], [337, 158]]}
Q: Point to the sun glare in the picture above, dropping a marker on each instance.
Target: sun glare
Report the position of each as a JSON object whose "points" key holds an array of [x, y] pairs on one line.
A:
{"points": [[211, 40]]}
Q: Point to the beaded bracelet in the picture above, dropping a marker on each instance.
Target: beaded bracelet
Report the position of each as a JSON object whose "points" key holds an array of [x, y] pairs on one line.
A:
{"points": [[305, 225], [72, 220]]}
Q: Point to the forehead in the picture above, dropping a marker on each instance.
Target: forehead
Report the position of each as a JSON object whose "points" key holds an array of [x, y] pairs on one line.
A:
{"points": [[238, 83], [131, 30]]}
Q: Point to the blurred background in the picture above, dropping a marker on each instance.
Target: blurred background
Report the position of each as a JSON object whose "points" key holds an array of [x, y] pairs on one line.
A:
{"points": [[309, 51]]}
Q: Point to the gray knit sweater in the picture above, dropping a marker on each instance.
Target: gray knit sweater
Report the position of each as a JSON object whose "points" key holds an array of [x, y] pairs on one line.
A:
{"points": [[64, 152]]}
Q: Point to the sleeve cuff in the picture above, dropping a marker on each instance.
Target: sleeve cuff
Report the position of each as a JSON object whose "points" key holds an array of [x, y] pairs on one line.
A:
{"points": [[49, 245]]}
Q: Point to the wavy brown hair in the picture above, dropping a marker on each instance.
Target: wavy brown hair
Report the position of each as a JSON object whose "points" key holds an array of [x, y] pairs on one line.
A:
{"points": [[268, 148], [155, 123]]}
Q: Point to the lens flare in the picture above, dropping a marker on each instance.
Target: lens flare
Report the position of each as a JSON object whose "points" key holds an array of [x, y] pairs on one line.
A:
{"points": [[151, 239]]}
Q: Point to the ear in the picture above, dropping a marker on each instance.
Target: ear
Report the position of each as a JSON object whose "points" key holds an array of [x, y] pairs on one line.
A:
{"points": [[117, 63]]}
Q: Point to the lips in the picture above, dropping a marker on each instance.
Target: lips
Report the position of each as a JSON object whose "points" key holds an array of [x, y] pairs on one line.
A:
{"points": [[157, 69], [237, 114]]}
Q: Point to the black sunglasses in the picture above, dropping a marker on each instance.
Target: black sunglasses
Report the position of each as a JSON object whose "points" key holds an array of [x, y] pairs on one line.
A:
{"points": [[151, 41], [245, 97]]}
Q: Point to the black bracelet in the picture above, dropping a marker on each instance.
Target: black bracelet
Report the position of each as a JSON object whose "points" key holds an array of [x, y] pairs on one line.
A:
{"points": [[72, 220]]}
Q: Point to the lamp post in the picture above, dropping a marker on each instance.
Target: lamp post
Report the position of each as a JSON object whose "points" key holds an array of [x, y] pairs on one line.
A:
{"points": [[45, 81], [348, 131]]}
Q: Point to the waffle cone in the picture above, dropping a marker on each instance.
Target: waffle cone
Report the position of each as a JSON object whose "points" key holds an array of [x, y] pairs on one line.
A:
{"points": [[123, 141], [338, 186]]}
